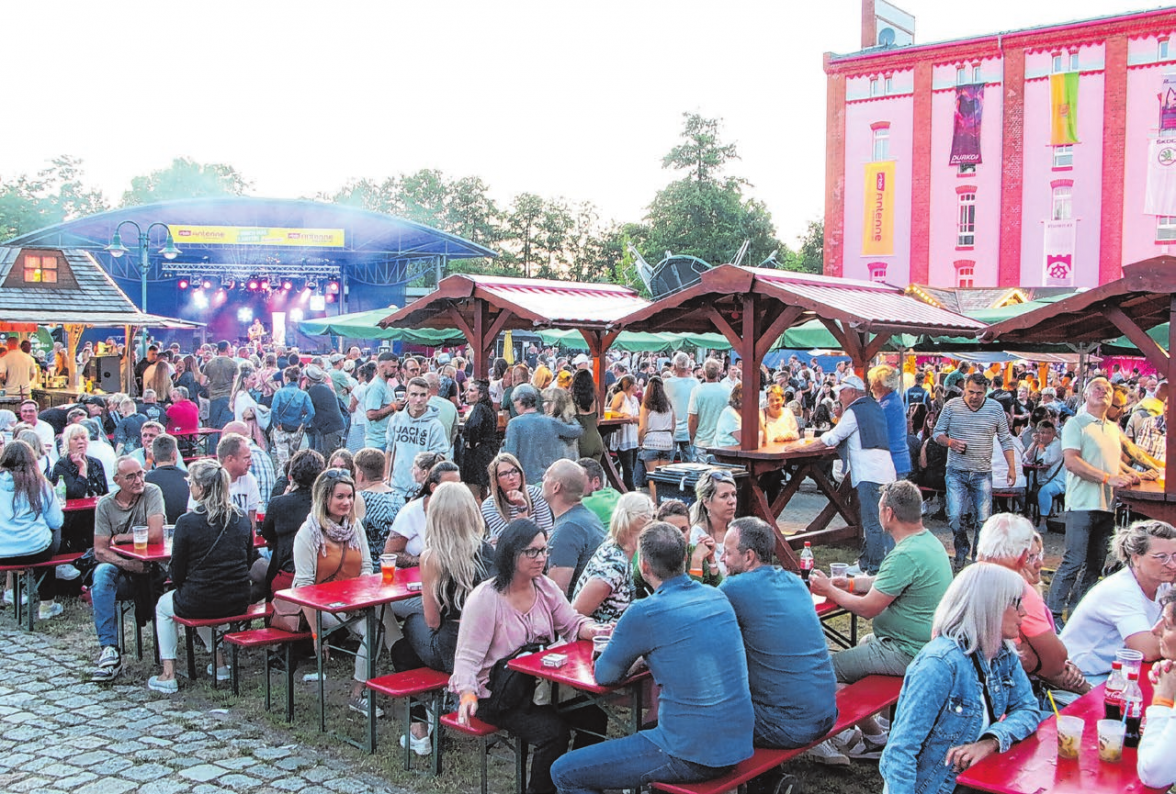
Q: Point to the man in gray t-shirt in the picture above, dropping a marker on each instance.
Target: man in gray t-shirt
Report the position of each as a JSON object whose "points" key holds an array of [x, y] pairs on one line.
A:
{"points": [[578, 533], [678, 390], [221, 371]]}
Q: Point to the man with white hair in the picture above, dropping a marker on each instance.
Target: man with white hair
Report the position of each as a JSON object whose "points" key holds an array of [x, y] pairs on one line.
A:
{"points": [[678, 387], [885, 381]]}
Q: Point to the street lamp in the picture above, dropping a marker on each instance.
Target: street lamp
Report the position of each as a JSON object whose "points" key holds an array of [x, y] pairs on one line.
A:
{"points": [[169, 251]]}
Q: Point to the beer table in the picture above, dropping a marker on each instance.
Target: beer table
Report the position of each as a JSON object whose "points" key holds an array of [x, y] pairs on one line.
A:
{"points": [[1032, 765], [88, 503], [799, 463], [607, 425], [1149, 499], [578, 673], [363, 594], [826, 611]]}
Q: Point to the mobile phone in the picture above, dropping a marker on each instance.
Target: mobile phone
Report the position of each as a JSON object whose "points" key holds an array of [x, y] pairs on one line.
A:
{"points": [[413, 587]]}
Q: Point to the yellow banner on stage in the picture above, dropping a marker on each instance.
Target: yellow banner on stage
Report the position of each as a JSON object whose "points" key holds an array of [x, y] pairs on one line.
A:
{"points": [[878, 226], [256, 235]]}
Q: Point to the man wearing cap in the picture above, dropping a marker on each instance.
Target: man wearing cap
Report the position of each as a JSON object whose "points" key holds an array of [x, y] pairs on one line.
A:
{"points": [[582, 362], [967, 427], [326, 428], [861, 440]]}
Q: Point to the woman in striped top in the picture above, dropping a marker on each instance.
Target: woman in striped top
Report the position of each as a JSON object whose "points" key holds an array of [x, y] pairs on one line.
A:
{"points": [[510, 498]]}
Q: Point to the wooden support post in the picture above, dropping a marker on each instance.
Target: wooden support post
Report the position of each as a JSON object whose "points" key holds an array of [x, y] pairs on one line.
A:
{"points": [[749, 412]]}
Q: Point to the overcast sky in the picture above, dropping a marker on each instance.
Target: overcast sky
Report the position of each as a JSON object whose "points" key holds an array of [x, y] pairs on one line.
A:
{"points": [[573, 99]]}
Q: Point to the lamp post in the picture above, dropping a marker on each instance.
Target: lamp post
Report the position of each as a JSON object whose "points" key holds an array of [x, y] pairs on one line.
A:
{"points": [[117, 249]]}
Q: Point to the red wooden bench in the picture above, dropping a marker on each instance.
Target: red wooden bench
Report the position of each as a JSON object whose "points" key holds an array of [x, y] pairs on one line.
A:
{"points": [[489, 736], [270, 639], [412, 685], [219, 627], [855, 703], [28, 577]]}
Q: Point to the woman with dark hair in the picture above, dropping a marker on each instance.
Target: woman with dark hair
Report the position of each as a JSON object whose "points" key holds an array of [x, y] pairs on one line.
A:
{"points": [[587, 414], [30, 518], [342, 459], [284, 517], [624, 439], [511, 498], [211, 552], [932, 457], [655, 428], [378, 501], [520, 609], [191, 379], [481, 438], [407, 538]]}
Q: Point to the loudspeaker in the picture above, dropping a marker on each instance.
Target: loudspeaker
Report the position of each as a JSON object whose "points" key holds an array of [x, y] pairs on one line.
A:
{"points": [[109, 376]]}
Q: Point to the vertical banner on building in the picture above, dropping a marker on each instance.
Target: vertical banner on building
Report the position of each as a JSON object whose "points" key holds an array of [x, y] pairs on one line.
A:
{"points": [[1059, 254], [969, 108], [1159, 198], [1168, 103], [1063, 103], [878, 226]]}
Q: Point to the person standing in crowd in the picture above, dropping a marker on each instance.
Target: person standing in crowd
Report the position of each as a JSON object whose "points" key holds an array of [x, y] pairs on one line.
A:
{"points": [[446, 411], [380, 401], [481, 438], [705, 714], [968, 427], [624, 440], [535, 439], [414, 430], [1092, 455], [587, 414], [221, 372], [885, 381], [706, 405], [326, 426], [679, 388], [291, 412], [18, 370]]}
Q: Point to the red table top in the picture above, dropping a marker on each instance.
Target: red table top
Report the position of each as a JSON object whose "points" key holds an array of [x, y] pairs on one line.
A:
{"points": [[89, 503], [361, 592], [155, 552], [1033, 766], [824, 606], [577, 672]]}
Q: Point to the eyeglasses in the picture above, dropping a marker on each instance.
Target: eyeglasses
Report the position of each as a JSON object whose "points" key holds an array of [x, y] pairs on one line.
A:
{"points": [[1163, 559], [534, 554], [135, 475], [1032, 558], [509, 473], [1016, 604]]}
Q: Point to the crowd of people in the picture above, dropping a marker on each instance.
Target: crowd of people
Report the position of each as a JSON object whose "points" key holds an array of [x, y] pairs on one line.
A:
{"points": [[495, 487]]}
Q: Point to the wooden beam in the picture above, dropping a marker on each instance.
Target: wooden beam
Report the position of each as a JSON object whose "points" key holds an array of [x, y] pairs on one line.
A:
{"points": [[496, 327], [749, 410], [782, 323], [874, 346], [598, 342], [723, 326], [1155, 355], [454, 314]]}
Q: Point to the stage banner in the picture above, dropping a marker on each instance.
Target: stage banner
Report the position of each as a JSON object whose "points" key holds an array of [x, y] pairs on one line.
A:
{"points": [[878, 228], [256, 235], [1063, 101], [969, 108], [1159, 197], [1059, 254], [1168, 103]]}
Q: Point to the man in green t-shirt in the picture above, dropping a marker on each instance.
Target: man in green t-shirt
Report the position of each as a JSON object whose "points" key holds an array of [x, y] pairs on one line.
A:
{"points": [[901, 600], [599, 497]]}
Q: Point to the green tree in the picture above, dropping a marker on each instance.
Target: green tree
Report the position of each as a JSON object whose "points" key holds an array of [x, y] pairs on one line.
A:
{"points": [[705, 214], [185, 178], [810, 257], [55, 194], [524, 248]]}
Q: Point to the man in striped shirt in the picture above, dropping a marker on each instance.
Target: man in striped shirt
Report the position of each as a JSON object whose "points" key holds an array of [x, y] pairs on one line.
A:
{"points": [[967, 427]]}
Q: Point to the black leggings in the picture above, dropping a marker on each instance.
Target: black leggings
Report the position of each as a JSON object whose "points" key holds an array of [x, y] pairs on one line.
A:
{"points": [[628, 460], [47, 590]]}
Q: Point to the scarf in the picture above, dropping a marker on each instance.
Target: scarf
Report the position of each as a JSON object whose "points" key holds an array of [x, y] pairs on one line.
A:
{"points": [[344, 533]]}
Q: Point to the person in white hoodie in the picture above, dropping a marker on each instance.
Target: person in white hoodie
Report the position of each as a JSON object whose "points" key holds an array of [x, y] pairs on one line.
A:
{"points": [[413, 430], [30, 518]]}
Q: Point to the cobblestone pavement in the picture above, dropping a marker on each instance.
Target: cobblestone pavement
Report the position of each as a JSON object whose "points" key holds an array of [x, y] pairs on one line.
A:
{"points": [[61, 733]]}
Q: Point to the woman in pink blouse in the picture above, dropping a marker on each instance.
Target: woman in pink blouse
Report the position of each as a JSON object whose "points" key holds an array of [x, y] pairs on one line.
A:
{"points": [[517, 608]]}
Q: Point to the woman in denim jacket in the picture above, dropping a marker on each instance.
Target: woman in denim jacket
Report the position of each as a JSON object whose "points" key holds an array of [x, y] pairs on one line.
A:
{"points": [[965, 695]]}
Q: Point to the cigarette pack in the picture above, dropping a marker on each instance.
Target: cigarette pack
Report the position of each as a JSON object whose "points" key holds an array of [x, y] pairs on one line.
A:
{"points": [[555, 660]]}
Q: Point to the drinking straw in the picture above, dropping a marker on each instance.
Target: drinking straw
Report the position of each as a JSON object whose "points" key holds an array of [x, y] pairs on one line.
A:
{"points": [[1049, 692]]}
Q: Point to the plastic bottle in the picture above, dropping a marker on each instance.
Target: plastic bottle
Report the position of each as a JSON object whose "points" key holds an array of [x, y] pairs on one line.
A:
{"points": [[59, 489], [806, 561], [1113, 699], [1132, 709]]}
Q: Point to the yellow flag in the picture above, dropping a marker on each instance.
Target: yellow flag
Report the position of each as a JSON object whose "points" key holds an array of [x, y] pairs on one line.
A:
{"points": [[878, 226], [1063, 102], [508, 349]]}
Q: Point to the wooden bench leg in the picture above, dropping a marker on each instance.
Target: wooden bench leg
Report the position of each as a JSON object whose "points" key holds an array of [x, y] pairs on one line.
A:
{"points": [[520, 764], [485, 754], [406, 728]]}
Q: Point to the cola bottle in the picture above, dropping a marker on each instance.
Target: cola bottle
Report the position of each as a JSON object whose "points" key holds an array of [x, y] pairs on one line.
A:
{"points": [[806, 561]]}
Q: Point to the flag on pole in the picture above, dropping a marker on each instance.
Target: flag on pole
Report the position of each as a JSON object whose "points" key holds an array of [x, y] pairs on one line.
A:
{"points": [[1059, 254], [1159, 197], [1063, 96]]}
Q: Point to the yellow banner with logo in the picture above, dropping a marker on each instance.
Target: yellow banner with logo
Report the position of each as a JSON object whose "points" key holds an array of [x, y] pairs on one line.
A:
{"points": [[1063, 102], [256, 235], [878, 226]]}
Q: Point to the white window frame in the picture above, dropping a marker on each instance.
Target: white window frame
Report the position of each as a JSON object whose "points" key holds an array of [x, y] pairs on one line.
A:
{"points": [[1162, 49], [873, 86], [961, 75], [977, 75], [1062, 203], [1056, 64], [1073, 61], [968, 273], [878, 272], [1063, 156], [1166, 228], [966, 220], [881, 144], [888, 86]]}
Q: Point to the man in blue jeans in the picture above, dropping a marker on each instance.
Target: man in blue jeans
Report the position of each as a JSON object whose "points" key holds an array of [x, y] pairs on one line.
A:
{"points": [[136, 503], [967, 427], [688, 634]]}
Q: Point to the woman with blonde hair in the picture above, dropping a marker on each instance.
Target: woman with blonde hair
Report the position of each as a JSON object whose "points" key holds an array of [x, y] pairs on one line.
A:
{"points": [[713, 510], [624, 440], [557, 403], [605, 589], [211, 552], [510, 497], [456, 559]]}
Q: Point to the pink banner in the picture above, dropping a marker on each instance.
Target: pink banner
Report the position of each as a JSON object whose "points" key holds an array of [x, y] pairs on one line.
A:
{"points": [[969, 109]]}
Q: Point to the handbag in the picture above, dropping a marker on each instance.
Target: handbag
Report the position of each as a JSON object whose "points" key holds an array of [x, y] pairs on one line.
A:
{"points": [[287, 615], [510, 689]]}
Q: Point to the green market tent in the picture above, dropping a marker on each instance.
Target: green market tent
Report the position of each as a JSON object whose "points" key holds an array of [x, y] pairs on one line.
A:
{"points": [[365, 325]]}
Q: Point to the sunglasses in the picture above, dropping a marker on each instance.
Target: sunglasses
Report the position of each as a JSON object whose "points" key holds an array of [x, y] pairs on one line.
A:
{"points": [[337, 474], [722, 475]]}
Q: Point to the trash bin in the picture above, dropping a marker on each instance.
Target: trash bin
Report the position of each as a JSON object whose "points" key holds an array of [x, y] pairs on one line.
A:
{"points": [[677, 481]]}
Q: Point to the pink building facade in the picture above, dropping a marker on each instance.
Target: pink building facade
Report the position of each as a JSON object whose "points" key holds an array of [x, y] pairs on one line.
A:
{"points": [[1032, 212]]}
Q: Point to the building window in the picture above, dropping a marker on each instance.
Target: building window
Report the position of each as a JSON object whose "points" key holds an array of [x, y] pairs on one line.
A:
{"points": [[40, 270], [1063, 203], [1063, 156], [961, 76], [889, 88], [878, 272], [967, 169], [1073, 62], [965, 274], [881, 143], [976, 75], [873, 86], [1166, 229], [1065, 62], [1163, 49], [966, 225]]}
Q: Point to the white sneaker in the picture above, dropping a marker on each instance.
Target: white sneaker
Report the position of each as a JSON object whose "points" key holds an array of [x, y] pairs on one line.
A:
{"points": [[222, 673], [850, 737], [825, 753], [870, 747], [24, 599], [49, 610], [421, 745], [67, 572]]}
